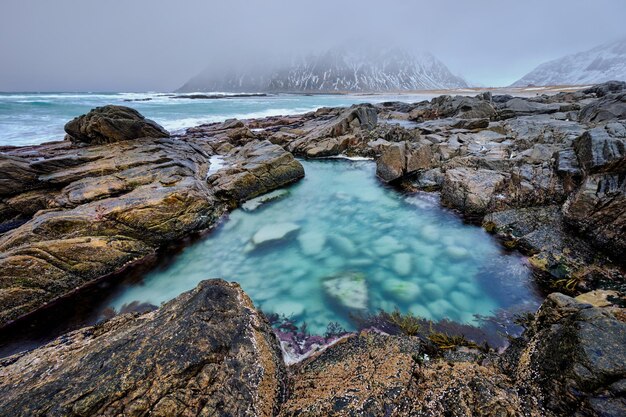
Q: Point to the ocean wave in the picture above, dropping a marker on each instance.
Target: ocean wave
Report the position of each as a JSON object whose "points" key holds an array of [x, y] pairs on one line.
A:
{"points": [[177, 125]]}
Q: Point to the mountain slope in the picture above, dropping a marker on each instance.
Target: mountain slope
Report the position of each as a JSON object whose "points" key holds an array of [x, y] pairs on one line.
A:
{"points": [[600, 64], [338, 69]]}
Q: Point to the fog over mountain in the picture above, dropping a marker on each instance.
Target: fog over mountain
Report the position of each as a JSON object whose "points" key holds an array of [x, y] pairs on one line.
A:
{"points": [[140, 45], [597, 65], [347, 68]]}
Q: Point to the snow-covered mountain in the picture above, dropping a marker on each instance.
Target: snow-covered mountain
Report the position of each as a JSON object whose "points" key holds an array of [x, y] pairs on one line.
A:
{"points": [[339, 69], [602, 63]]}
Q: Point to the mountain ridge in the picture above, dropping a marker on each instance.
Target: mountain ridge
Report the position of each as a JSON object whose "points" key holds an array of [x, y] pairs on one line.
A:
{"points": [[338, 69], [602, 63]]}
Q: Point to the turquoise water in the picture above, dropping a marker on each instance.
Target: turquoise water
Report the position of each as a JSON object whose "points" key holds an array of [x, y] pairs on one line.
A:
{"points": [[32, 118], [339, 243]]}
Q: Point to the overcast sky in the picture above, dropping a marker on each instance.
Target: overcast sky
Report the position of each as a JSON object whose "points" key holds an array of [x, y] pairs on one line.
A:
{"points": [[153, 45]]}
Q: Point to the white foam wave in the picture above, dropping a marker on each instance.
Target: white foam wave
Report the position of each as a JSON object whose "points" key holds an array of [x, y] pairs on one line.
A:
{"points": [[177, 125]]}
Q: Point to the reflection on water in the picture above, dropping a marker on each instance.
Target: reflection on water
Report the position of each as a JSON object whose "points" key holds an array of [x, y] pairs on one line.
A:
{"points": [[338, 243]]}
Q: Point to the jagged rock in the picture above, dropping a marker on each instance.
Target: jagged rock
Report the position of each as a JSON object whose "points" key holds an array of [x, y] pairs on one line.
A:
{"points": [[596, 210], [574, 358], [471, 124], [254, 169], [400, 159], [470, 191], [16, 175], [207, 352], [520, 107], [458, 106], [609, 107], [334, 132], [110, 124], [601, 90], [600, 151]]}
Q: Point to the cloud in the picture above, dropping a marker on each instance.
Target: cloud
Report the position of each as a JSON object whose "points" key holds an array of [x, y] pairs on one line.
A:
{"points": [[138, 45]]}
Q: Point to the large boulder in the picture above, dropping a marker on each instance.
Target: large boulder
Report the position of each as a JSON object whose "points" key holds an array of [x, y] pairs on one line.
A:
{"points": [[574, 359], [601, 90], [335, 131], [255, 169], [471, 190], [602, 149], [609, 107], [462, 107], [597, 211], [207, 352], [403, 158], [521, 107], [110, 124]]}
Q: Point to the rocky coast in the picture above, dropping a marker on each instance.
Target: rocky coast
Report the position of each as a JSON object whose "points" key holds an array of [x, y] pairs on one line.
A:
{"points": [[546, 175]]}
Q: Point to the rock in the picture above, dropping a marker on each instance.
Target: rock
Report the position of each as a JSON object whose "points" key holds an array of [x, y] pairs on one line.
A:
{"points": [[110, 124], [348, 289], [273, 233], [609, 107], [342, 244], [257, 202], [335, 130], [311, 242], [598, 298], [372, 374], [432, 291], [574, 358], [458, 106], [387, 245], [332, 382], [255, 169], [596, 210], [457, 252], [392, 163], [469, 190], [598, 151], [400, 159], [402, 290], [113, 205], [521, 107], [206, 352], [601, 90], [402, 264], [471, 124]]}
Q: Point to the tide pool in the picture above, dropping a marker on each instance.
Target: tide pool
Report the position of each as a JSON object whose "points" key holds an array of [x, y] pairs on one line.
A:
{"points": [[340, 243]]}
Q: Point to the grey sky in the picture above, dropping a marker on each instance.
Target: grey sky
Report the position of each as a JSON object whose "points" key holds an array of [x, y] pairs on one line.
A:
{"points": [[139, 45]]}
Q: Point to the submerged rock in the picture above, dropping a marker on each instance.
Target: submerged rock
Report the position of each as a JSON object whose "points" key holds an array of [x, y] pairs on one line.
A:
{"points": [[273, 233], [348, 289], [110, 124], [207, 352], [312, 242], [257, 202]]}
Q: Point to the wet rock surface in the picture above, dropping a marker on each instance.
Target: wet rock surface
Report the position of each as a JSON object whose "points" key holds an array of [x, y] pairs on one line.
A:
{"points": [[110, 124], [574, 358], [207, 352], [74, 214]]}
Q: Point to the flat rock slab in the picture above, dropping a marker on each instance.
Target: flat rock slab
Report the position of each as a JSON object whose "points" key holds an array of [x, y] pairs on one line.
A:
{"points": [[207, 352]]}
